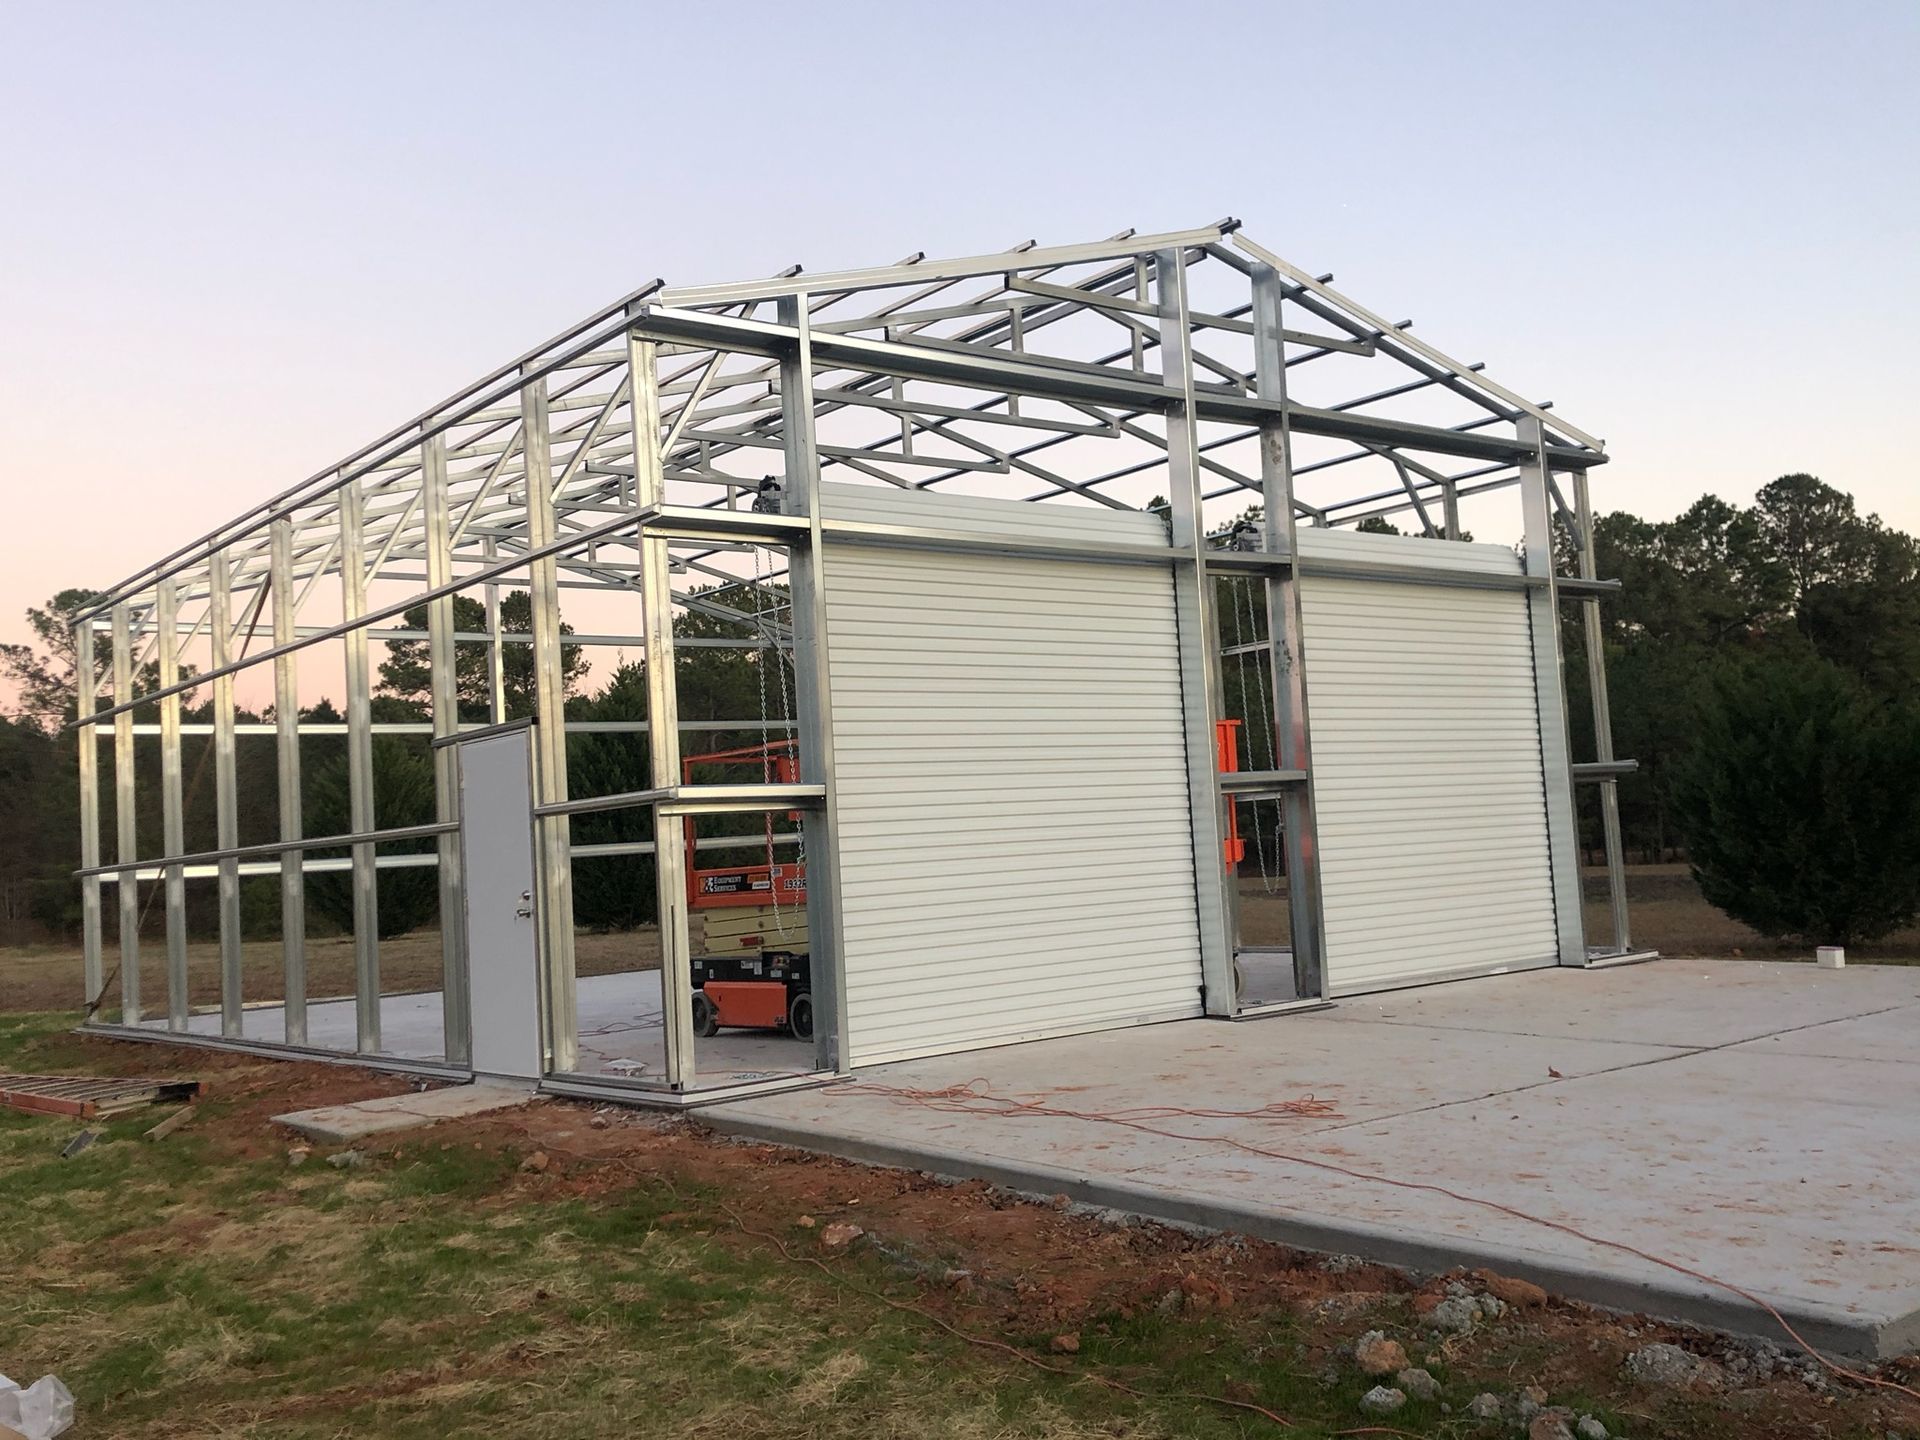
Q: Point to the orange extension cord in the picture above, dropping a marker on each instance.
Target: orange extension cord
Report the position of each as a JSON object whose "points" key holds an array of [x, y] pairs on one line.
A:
{"points": [[974, 1098]]}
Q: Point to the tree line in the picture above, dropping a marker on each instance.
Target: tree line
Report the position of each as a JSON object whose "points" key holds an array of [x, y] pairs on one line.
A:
{"points": [[1763, 667], [39, 789]]}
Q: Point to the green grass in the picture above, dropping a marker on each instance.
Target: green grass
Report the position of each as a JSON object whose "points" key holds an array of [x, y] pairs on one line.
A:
{"points": [[179, 1290]]}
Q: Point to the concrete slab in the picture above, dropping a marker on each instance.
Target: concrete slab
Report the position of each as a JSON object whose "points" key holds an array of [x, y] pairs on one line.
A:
{"points": [[1886, 1036], [1659, 1004], [339, 1124], [620, 1032], [1705, 1115]]}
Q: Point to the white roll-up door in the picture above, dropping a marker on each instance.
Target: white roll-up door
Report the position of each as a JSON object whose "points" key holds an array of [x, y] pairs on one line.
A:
{"points": [[1429, 797], [1015, 850]]}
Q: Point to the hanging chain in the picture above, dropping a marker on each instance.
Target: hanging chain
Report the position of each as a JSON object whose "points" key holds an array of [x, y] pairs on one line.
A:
{"points": [[766, 614], [1263, 713], [780, 663], [765, 635], [1240, 656]]}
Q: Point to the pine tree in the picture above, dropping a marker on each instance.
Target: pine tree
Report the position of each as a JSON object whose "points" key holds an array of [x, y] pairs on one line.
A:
{"points": [[1798, 804]]}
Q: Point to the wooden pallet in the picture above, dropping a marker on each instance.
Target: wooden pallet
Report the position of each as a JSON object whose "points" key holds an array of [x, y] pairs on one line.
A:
{"points": [[88, 1098]]}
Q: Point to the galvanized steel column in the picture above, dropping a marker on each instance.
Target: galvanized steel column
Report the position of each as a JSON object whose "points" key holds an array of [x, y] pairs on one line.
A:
{"points": [[455, 1021], [663, 722], [1199, 643], [813, 687], [1287, 652], [286, 725], [360, 805], [166, 620], [126, 835], [1602, 718], [1556, 752], [550, 739], [225, 798], [496, 658], [87, 752]]}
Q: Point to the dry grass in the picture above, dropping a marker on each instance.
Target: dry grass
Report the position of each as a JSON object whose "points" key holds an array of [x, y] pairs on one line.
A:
{"points": [[1667, 914], [48, 977]]}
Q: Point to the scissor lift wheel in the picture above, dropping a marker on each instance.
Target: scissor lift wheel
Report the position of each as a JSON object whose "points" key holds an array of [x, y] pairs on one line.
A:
{"points": [[706, 1019]]}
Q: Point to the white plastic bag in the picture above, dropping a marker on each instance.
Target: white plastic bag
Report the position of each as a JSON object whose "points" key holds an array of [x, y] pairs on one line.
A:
{"points": [[41, 1411]]}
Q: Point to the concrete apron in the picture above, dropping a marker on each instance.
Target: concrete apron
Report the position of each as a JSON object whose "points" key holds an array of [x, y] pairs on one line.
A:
{"points": [[1756, 1122]]}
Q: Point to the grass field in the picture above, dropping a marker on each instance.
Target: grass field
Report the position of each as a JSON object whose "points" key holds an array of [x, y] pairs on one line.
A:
{"points": [[47, 977], [557, 1273], [1668, 915]]}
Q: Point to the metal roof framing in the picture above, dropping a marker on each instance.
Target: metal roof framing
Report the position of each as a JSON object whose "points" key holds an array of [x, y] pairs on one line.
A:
{"points": [[646, 449], [984, 344]]}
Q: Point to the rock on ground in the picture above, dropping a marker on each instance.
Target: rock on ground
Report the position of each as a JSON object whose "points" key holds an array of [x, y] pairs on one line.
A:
{"points": [[1457, 1313], [1664, 1364], [1484, 1406], [1589, 1428], [1521, 1294], [1419, 1384], [1382, 1400], [1375, 1354]]}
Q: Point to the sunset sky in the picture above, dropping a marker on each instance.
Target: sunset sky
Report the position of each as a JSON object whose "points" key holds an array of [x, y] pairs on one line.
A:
{"points": [[238, 241]]}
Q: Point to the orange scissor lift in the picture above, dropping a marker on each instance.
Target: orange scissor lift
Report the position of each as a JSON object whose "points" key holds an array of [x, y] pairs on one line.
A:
{"points": [[758, 973], [754, 972]]}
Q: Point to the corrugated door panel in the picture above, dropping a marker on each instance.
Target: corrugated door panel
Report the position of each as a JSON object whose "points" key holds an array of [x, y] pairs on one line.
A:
{"points": [[1010, 773], [1428, 787]]}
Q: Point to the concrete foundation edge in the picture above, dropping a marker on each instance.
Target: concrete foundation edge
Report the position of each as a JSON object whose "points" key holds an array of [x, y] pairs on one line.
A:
{"points": [[1837, 1332]]}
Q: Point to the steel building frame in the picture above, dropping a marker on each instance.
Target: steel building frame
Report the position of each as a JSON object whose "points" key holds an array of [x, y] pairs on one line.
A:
{"points": [[1194, 372]]}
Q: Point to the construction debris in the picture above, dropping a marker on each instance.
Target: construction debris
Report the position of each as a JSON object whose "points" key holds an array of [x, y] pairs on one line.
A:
{"points": [[344, 1124], [172, 1123], [41, 1411], [87, 1098], [78, 1143]]}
